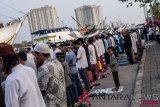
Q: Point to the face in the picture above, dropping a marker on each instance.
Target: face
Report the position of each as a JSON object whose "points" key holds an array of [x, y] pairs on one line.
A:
{"points": [[76, 46], [53, 48], [124, 33], [110, 52], [94, 39], [67, 49], [39, 58], [61, 59]]}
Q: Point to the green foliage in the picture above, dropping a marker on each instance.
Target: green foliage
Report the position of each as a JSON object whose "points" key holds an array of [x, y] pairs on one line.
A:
{"points": [[142, 1], [156, 9]]}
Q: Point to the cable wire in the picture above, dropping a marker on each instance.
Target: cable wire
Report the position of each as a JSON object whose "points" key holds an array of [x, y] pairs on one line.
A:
{"points": [[7, 16], [12, 8]]}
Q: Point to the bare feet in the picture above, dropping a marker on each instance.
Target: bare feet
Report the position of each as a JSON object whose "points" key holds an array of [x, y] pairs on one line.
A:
{"points": [[115, 89]]}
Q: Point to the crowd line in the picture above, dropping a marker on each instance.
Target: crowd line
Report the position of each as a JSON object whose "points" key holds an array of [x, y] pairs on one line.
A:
{"points": [[56, 74]]}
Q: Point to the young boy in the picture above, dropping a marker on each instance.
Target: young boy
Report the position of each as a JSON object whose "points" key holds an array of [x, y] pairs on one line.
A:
{"points": [[114, 69]]}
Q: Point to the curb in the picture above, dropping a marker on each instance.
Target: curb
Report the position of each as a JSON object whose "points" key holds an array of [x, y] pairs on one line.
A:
{"points": [[138, 82]]}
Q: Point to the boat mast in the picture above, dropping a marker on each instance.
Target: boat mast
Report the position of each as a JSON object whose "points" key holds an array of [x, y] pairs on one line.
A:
{"points": [[77, 22]]}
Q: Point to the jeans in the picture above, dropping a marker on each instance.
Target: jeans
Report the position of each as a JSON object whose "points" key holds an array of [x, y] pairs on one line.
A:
{"points": [[77, 88], [83, 75]]}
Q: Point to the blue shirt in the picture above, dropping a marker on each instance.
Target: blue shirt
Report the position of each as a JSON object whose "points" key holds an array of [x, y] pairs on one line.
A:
{"points": [[71, 59], [106, 45]]}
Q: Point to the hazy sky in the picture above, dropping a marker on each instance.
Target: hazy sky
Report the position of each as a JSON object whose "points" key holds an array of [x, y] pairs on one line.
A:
{"points": [[112, 9]]}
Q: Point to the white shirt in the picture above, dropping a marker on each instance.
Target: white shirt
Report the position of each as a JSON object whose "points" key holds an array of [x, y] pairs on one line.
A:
{"points": [[102, 46], [134, 41], [92, 54], [157, 30], [97, 48], [81, 55], [53, 53], [113, 42], [31, 58], [21, 88], [151, 31]]}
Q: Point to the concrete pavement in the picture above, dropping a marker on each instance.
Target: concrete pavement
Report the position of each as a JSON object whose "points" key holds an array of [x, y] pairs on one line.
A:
{"points": [[127, 76], [149, 89]]}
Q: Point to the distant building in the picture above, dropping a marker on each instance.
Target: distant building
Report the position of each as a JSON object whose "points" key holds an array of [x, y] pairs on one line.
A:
{"points": [[89, 15], [43, 18]]}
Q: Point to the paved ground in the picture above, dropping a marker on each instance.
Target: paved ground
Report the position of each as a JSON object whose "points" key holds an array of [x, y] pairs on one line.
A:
{"points": [[148, 79], [151, 74], [127, 75]]}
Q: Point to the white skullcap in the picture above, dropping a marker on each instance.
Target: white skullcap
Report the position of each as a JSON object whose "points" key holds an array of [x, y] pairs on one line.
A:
{"points": [[42, 48]]}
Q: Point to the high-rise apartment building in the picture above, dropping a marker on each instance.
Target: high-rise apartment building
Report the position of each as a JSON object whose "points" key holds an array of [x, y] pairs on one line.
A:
{"points": [[43, 18], [89, 15]]}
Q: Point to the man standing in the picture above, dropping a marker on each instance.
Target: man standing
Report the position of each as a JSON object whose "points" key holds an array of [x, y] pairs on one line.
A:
{"points": [[21, 87], [82, 64], [71, 59], [93, 60], [145, 34], [134, 40], [50, 77], [23, 60], [127, 44], [106, 46], [30, 56], [54, 50]]}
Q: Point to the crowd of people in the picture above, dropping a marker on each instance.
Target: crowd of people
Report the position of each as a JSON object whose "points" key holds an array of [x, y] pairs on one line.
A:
{"points": [[55, 75], [150, 32]]}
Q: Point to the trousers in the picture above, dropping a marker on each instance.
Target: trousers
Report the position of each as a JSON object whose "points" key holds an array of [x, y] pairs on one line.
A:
{"points": [[116, 78]]}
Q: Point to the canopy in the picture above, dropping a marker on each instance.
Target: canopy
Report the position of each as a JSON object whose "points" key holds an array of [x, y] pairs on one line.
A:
{"points": [[60, 36], [76, 34], [9, 33]]}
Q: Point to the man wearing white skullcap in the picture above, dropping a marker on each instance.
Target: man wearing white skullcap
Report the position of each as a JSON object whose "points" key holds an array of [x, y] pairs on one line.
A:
{"points": [[50, 77]]}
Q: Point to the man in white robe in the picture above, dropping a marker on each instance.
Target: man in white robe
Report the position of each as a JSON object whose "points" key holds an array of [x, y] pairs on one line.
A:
{"points": [[21, 87], [134, 41]]}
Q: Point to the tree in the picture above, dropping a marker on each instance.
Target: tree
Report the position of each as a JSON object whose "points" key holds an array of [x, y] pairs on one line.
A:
{"points": [[142, 1], [156, 9]]}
